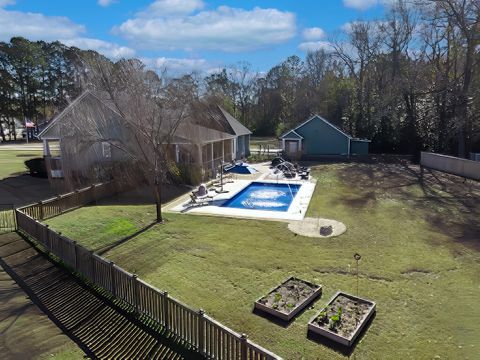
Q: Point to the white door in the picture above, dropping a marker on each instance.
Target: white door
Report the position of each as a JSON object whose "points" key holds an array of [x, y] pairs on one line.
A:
{"points": [[292, 147]]}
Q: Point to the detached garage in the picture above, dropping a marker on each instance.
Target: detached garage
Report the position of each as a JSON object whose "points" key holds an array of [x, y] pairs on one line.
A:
{"points": [[318, 137]]}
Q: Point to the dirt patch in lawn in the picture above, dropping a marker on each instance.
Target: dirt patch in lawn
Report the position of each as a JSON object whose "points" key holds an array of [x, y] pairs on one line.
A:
{"points": [[317, 227]]}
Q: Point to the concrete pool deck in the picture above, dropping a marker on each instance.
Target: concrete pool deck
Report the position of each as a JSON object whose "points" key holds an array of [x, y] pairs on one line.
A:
{"points": [[296, 211]]}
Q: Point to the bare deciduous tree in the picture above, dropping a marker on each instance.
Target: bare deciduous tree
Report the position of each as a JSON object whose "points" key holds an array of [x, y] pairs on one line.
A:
{"points": [[146, 116]]}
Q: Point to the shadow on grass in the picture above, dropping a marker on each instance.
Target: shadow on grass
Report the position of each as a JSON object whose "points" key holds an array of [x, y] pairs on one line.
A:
{"points": [[273, 319], [99, 324], [142, 195], [283, 323], [447, 202], [339, 348]]}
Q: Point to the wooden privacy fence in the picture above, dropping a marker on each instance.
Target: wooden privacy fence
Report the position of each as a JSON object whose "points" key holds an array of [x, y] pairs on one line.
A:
{"points": [[7, 218], [72, 200], [453, 165], [207, 336]]}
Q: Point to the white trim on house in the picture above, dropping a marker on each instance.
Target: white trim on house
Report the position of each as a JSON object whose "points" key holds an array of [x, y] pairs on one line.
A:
{"points": [[291, 131], [361, 140], [325, 121]]}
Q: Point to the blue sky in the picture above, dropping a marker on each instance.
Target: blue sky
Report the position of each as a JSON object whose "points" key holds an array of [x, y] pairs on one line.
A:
{"points": [[185, 35]]}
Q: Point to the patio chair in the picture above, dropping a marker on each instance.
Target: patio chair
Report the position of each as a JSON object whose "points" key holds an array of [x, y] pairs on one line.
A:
{"points": [[277, 161], [289, 174], [202, 193], [304, 175]]}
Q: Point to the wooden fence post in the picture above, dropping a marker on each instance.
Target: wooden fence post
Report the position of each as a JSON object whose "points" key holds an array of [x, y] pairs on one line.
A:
{"points": [[39, 232], [92, 268], [201, 332], [75, 259], [136, 297], [77, 199], [112, 278], [46, 242], [243, 342], [41, 210], [59, 246], [94, 200], [165, 310], [60, 205], [14, 214]]}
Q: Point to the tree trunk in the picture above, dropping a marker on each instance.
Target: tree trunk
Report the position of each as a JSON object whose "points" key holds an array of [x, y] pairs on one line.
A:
{"points": [[463, 112], [157, 190]]}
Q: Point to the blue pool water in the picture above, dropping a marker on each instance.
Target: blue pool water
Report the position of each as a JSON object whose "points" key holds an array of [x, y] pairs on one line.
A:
{"points": [[264, 196]]}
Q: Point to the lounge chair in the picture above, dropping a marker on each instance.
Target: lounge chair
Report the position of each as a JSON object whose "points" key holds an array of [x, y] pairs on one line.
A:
{"points": [[195, 201], [277, 161]]}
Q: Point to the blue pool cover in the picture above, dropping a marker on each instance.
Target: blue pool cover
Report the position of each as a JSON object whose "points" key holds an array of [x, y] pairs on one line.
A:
{"points": [[264, 196]]}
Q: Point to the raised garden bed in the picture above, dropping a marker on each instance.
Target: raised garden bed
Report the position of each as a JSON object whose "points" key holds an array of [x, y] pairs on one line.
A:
{"points": [[289, 298], [343, 318]]}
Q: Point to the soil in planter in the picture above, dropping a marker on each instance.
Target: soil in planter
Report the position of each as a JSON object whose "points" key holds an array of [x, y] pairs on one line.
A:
{"points": [[343, 316], [286, 297]]}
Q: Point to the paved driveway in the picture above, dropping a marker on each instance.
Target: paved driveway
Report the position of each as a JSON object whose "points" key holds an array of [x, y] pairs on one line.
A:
{"points": [[24, 189]]}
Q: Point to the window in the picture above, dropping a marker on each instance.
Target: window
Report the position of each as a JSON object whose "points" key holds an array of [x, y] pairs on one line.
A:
{"points": [[106, 150]]}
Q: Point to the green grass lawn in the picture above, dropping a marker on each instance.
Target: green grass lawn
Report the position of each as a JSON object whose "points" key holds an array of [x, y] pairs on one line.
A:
{"points": [[12, 161], [256, 141], [419, 241]]}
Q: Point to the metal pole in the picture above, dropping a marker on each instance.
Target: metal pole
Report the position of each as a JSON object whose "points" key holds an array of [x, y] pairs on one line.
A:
{"points": [[357, 257]]}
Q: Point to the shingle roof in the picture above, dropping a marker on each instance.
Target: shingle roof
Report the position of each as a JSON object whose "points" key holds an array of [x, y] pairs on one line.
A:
{"points": [[237, 127], [219, 126]]}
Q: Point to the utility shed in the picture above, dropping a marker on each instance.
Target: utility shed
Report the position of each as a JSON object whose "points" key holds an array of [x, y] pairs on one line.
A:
{"points": [[318, 137]]}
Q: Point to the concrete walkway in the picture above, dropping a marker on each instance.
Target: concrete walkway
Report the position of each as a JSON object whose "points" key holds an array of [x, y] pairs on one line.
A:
{"points": [[100, 329]]}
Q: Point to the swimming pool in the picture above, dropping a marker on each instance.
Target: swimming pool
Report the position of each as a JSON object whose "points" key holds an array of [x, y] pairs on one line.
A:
{"points": [[264, 196]]}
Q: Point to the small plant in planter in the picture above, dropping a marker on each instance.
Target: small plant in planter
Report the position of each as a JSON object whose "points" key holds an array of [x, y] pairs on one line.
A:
{"points": [[335, 320], [343, 318], [323, 317], [289, 298]]}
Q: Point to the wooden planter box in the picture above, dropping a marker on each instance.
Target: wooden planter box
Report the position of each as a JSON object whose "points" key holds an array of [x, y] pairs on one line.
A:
{"points": [[307, 290], [365, 308]]}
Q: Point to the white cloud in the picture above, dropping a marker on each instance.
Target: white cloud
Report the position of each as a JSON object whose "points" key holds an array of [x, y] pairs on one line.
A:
{"points": [[173, 7], [177, 65], [366, 4], [226, 29], [106, 3], [314, 33], [111, 50], [360, 4], [315, 45], [4, 3], [180, 66], [35, 26]]}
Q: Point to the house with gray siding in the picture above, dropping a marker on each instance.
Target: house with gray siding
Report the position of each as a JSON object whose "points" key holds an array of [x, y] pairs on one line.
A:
{"points": [[319, 137], [203, 143]]}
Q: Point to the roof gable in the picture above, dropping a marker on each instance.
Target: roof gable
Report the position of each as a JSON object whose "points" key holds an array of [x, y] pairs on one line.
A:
{"points": [[237, 127], [318, 117], [292, 134], [49, 131]]}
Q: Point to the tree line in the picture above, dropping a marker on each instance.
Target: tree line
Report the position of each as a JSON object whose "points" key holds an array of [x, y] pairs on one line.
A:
{"points": [[37, 79], [409, 81]]}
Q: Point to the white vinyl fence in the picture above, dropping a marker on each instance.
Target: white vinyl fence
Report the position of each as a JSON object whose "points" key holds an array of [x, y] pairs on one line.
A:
{"points": [[452, 165]]}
